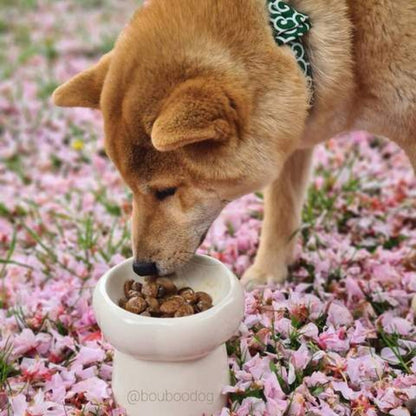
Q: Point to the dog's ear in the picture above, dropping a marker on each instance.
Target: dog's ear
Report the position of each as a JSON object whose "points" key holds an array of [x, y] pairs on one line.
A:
{"points": [[196, 111], [84, 89]]}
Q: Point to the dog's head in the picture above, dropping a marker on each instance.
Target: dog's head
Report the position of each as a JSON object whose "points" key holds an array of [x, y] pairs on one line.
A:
{"points": [[196, 114]]}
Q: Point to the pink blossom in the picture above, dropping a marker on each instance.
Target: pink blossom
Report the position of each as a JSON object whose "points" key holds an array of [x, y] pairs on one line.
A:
{"points": [[258, 366], [361, 333], [57, 387], [389, 355], [346, 391], [339, 315], [334, 340], [297, 406], [387, 400], [310, 330], [301, 357], [272, 387], [316, 378], [88, 355], [276, 406], [364, 368], [393, 324], [251, 406], [19, 405], [28, 341], [94, 388]]}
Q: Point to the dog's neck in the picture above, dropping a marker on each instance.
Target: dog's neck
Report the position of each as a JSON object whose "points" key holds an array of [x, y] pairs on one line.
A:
{"points": [[329, 46], [289, 27]]}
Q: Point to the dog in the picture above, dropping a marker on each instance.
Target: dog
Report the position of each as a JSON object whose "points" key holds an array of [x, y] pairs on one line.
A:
{"points": [[201, 107]]}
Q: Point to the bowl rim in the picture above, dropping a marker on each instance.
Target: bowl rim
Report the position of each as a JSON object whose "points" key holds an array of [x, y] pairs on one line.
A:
{"points": [[103, 282], [177, 339]]}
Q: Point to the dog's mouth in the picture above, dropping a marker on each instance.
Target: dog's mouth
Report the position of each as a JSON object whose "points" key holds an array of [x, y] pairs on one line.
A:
{"points": [[163, 268], [166, 271]]}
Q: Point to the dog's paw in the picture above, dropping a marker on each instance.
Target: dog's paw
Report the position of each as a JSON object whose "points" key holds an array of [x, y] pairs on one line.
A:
{"points": [[258, 275]]}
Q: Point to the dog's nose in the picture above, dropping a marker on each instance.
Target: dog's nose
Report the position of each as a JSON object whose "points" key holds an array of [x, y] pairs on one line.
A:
{"points": [[145, 269]]}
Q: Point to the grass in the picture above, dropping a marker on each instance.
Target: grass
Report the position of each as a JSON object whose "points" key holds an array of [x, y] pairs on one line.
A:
{"points": [[19, 4], [7, 369], [46, 88], [392, 341]]}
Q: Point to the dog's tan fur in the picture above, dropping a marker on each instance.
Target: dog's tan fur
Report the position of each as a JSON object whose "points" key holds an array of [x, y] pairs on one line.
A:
{"points": [[197, 96]]}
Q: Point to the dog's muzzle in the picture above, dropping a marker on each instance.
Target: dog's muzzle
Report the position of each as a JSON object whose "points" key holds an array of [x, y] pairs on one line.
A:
{"points": [[145, 269]]}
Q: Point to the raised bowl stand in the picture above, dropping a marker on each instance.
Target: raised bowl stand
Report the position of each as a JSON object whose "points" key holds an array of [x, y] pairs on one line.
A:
{"points": [[172, 367]]}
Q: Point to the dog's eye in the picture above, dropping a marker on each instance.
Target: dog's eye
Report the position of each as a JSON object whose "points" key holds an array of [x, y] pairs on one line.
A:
{"points": [[165, 193]]}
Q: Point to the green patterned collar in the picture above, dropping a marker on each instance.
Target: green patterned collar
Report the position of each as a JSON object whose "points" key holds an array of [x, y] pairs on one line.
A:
{"points": [[289, 26]]}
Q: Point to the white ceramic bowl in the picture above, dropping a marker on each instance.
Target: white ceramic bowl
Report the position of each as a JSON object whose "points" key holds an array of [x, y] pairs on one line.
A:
{"points": [[173, 355]]}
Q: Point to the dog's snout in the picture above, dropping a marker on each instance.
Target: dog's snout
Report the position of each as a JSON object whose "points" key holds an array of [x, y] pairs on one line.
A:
{"points": [[145, 268]]}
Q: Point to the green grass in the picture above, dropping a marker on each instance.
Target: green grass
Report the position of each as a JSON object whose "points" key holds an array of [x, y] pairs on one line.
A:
{"points": [[107, 43], [15, 164], [19, 4], [4, 26], [46, 88], [391, 341], [92, 4], [7, 368]]}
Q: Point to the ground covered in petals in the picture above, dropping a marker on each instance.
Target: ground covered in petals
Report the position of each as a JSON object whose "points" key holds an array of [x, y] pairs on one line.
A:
{"points": [[337, 339]]}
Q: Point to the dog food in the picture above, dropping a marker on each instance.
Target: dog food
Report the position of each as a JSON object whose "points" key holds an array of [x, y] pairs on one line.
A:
{"points": [[159, 297]]}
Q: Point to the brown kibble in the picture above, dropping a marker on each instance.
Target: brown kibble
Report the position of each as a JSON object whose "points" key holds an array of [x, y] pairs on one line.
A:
{"points": [[203, 296], [160, 297], [171, 305], [150, 289], [153, 305], [202, 306], [178, 298], [137, 286], [127, 287], [184, 310], [168, 285], [188, 294], [134, 294], [136, 305], [161, 291]]}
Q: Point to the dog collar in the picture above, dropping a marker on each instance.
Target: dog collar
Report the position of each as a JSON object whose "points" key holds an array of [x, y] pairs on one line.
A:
{"points": [[289, 26]]}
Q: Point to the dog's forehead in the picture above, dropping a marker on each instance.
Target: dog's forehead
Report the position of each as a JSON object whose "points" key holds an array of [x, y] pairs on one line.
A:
{"points": [[149, 162], [145, 168]]}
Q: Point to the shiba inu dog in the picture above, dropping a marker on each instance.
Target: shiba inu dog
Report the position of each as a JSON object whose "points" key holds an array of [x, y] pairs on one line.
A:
{"points": [[201, 106]]}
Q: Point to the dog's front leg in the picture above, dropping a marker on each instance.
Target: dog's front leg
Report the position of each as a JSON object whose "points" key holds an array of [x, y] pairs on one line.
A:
{"points": [[283, 205]]}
